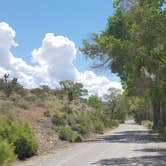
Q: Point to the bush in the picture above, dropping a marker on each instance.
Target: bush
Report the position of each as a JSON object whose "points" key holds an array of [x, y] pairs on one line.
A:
{"points": [[15, 97], [114, 123], [97, 124], [147, 123], [47, 114], [23, 104], [59, 119], [66, 133], [40, 102], [84, 124], [6, 107], [30, 98], [20, 135], [7, 155], [24, 142]]}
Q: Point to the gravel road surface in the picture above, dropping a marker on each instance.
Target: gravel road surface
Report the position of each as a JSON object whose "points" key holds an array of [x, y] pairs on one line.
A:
{"points": [[128, 145]]}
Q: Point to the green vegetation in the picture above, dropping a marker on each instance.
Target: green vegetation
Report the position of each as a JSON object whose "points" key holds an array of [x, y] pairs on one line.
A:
{"points": [[66, 133], [74, 118], [147, 123], [7, 155], [20, 136], [134, 47]]}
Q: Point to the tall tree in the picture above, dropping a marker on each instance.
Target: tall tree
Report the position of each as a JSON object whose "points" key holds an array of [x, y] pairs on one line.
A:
{"points": [[133, 45]]}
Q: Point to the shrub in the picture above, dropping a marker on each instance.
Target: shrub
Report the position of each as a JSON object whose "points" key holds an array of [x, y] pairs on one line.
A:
{"points": [[114, 123], [23, 104], [47, 113], [84, 124], [59, 119], [147, 123], [66, 133], [40, 103], [6, 107], [67, 109], [7, 155], [15, 97], [30, 97], [24, 142], [20, 135], [97, 124]]}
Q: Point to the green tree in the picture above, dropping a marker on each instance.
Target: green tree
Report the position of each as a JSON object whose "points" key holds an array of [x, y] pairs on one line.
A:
{"points": [[72, 89], [133, 46], [113, 98]]}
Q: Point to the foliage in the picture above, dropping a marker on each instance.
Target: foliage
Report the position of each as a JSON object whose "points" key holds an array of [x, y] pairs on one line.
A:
{"points": [[20, 135], [66, 133], [47, 113], [72, 89], [23, 104], [7, 155], [11, 86], [147, 123], [59, 119], [133, 46], [24, 141], [95, 102]]}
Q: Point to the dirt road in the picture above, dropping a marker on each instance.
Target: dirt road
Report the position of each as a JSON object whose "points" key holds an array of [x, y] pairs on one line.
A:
{"points": [[128, 145]]}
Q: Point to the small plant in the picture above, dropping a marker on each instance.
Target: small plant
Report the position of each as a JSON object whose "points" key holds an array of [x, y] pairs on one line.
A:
{"points": [[30, 97], [15, 97], [7, 155], [147, 123], [114, 123], [47, 114], [66, 133], [23, 104], [59, 119]]}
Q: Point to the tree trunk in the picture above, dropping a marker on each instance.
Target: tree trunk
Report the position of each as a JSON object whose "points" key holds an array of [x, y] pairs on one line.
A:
{"points": [[163, 114], [156, 114]]}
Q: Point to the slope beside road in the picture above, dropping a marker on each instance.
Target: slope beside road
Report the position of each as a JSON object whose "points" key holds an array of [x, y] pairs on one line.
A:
{"points": [[128, 145]]}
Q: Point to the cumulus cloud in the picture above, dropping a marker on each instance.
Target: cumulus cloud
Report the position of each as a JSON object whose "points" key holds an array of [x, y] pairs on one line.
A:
{"points": [[98, 85], [17, 67], [53, 63], [55, 58]]}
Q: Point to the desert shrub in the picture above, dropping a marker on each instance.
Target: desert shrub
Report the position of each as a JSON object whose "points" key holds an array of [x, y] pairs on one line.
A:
{"points": [[67, 109], [120, 116], [15, 97], [98, 124], [30, 97], [7, 155], [66, 133], [6, 107], [47, 113], [2, 95], [40, 102], [24, 141], [59, 119], [84, 125], [23, 104], [114, 123], [20, 135], [147, 123]]}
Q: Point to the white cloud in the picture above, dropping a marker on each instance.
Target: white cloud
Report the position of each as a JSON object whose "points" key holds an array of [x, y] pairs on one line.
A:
{"points": [[17, 67], [55, 58], [98, 85], [53, 62]]}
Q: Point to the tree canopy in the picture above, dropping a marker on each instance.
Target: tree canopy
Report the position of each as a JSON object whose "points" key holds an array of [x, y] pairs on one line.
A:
{"points": [[133, 45]]}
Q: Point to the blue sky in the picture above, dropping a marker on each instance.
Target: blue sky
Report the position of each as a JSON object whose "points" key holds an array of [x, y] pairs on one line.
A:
{"points": [[75, 20]]}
